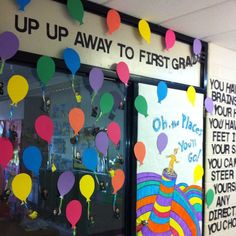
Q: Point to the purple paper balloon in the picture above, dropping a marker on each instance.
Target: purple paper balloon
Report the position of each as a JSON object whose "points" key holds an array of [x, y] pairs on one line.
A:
{"points": [[65, 182], [102, 142], [9, 45], [162, 141], [197, 46], [96, 78], [209, 105]]}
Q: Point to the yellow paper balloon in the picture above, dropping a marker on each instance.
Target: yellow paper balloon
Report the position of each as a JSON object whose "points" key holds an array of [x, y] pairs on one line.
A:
{"points": [[191, 93], [21, 186], [198, 173], [17, 88], [87, 186], [144, 30]]}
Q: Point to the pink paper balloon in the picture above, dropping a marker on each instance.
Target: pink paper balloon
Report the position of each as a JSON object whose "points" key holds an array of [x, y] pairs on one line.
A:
{"points": [[6, 152], [44, 128], [114, 133], [170, 39], [73, 212], [122, 71]]}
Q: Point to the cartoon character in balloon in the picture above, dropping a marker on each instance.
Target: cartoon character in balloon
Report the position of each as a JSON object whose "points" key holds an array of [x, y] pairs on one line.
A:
{"points": [[173, 160]]}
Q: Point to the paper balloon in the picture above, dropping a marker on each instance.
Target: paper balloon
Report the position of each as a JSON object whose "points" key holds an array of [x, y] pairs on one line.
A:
{"points": [[6, 152], [113, 21], [65, 182], [209, 105], [90, 159], [45, 69], [102, 142], [144, 30], [191, 94], [118, 180], [32, 159], [44, 128], [141, 106], [198, 173], [106, 104], [162, 90], [170, 39], [162, 141], [21, 186], [122, 71], [209, 197], [114, 133], [72, 60], [76, 10], [96, 79], [140, 152], [22, 4], [87, 186], [76, 119], [17, 88], [197, 47]]}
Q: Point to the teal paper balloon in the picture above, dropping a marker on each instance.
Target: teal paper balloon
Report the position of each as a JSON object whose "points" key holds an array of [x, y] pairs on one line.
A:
{"points": [[141, 105], [209, 197], [76, 10], [162, 90]]}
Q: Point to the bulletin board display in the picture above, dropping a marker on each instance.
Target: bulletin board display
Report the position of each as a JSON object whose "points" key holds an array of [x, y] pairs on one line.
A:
{"points": [[169, 182]]}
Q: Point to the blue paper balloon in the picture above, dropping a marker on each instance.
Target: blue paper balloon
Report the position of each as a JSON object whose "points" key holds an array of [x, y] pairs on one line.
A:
{"points": [[72, 60], [32, 159], [162, 90], [90, 159], [22, 4]]}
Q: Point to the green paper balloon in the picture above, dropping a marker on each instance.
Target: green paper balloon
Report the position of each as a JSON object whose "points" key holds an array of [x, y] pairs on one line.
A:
{"points": [[141, 105], [209, 197], [106, 103], [76, 10], [45, 69]]}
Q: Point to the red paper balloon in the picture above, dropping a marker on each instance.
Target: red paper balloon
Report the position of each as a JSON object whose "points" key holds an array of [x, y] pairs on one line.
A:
{"points": [[76, 119], [140, 152], [44, 128], [6, 152], [122, 71], [170, 39], [118, 180], [73, 212], [113, 21], [114, 133]]}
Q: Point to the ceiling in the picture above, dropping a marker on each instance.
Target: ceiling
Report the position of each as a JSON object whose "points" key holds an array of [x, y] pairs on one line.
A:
{"points": [[209, 20]]}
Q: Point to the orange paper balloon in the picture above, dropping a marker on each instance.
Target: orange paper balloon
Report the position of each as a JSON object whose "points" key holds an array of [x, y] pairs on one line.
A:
{"points": [[140, 151], [118, 180], [76, 119], [113, 21]]}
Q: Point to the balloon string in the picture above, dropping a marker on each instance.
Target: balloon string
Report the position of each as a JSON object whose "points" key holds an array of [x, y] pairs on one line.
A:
{"points": [[88, 211], [11, 112], [114, 202], [2, 66], [60, 205], [73, 84], [100, 115], [93, 96], [74, 231], [96, 178]]}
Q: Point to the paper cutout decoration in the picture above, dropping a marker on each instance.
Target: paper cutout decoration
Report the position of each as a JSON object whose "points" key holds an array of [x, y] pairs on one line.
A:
{"points": [[96, 79], [141, 106], [44, 128], [106, 104], [65, 183], [170, 39], [162, 141], [122, 71], [87, 187], [144, 30], [198, 173], [72, 60], [21, 186], [90, 159], [22, 4], [6, 152], [17, 88], [140, 152], [76, 10], [209, 105], [113, 21], [197, 47], [102, 142], [162, 90], [9, 45], [114, 133], [209, 197], [118, 180], [191, 94], [54, 168], [32, 159], [76, 119], [45, 69], [73, 213]]}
